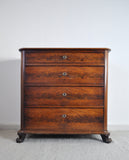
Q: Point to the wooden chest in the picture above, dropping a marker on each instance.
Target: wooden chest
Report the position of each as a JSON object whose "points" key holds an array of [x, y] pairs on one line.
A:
{"points": [[64, 91]]}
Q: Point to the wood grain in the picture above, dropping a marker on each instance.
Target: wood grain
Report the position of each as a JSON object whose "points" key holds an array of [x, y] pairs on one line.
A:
{"points": [[53, 96], [74, 75], [54, 103], [76, 120], [22, 87], [73, 56], [105, 90]]}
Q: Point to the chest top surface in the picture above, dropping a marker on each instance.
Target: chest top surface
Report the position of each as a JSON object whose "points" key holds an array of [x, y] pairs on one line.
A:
{"points": [[88, 49]]}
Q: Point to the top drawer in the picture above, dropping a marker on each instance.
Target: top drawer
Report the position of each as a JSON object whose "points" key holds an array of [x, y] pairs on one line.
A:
{"points": [[64, 57]]}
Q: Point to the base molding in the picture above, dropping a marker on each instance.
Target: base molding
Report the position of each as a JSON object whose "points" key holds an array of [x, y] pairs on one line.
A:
{"points": [[118, 127], [9, 126], [38, 131], [110, 127]]}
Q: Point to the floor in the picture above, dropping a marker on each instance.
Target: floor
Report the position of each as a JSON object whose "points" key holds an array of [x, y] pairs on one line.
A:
{"points": [[89, 147]]}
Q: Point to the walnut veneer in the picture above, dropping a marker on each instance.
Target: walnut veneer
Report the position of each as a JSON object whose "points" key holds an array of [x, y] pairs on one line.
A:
{"points": [[64, 91]]}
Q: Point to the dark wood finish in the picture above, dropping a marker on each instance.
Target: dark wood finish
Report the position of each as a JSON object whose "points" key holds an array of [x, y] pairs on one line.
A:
{"points": [[65, 75], [105, 90], [21, 137], [64, 91], [72, 56], [62, 120], [64, 96], [96, 50], [22, 87], [105, 138], [40, 131]]}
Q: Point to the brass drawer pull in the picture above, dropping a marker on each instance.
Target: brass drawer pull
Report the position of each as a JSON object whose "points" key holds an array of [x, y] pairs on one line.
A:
{"points": [[64, 94], [64, 73], [64, 57], [64, 115]]}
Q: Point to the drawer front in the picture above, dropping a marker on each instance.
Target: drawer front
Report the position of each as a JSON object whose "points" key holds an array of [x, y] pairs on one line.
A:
{"points": [[64, 120], [64, 75], [64, 96], [63, 56]]}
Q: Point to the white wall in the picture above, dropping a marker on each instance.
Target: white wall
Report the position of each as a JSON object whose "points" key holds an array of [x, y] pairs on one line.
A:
{"points": [[64, 23]]}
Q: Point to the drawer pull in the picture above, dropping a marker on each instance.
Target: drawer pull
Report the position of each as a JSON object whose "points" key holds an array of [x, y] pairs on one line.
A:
{"points": [[64, 57], [64, 115], [64, 94], [64, 73]]}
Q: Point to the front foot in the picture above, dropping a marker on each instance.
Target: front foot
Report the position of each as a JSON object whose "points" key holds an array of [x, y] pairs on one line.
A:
{"points": [[105, 138], [21, 137]]}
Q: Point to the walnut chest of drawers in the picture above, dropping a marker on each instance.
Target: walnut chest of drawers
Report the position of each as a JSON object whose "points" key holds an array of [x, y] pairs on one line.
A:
{"points": [[64, 91]]}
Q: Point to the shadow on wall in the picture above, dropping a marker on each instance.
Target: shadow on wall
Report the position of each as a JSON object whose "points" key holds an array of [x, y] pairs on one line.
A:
{"points": [[10, 92]]}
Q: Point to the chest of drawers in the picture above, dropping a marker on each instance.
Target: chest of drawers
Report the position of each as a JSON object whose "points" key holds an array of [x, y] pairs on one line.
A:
{"points": [[64, 91]]}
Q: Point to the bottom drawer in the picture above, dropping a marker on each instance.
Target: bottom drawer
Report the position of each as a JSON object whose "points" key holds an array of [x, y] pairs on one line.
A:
{"points": [[63, 120]]}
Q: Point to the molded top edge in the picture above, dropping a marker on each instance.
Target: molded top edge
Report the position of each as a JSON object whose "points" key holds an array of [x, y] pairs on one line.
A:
{"points": [[23, 49]]}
